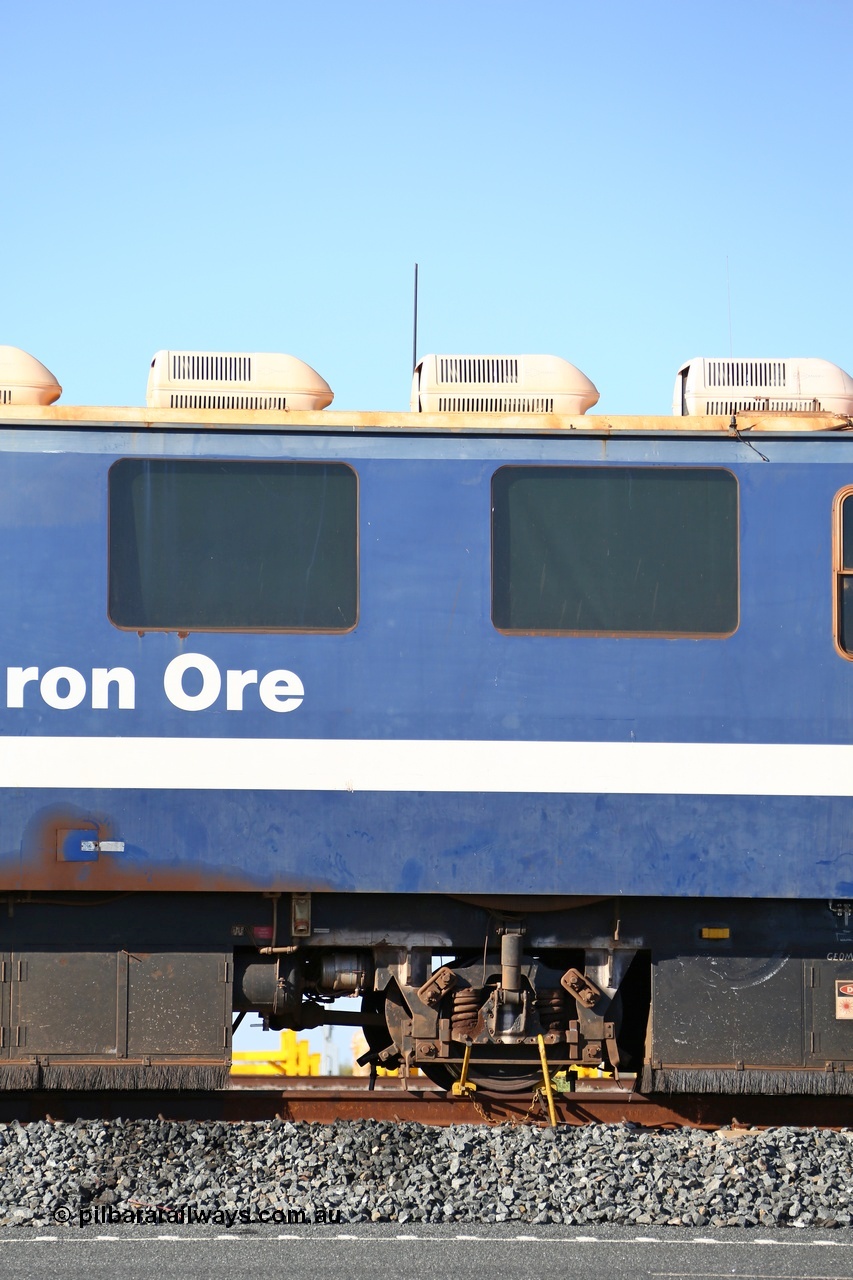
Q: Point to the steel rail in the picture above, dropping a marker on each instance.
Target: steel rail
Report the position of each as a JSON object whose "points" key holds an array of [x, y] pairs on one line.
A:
{"points": [[322, 1100]]}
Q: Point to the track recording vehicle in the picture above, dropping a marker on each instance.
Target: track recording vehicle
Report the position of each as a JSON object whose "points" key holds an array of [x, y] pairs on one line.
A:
{"points": [[511, 720]]}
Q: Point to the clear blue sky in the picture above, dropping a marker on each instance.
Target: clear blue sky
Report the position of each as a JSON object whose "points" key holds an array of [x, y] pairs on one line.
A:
{"points": [[571, 178]]}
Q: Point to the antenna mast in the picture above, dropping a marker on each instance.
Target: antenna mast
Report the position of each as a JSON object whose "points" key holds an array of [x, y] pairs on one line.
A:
{"points": [[729, 293], [415, 325]]}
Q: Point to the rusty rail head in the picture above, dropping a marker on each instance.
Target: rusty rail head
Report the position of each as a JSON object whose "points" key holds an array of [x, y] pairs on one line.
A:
{"points": [[324, 1100]]}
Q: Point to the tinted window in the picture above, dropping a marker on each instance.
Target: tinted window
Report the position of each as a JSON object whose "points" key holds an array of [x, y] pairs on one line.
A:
{"points": [[637, 550], [845, 577], [847, 533], [210, 545]]}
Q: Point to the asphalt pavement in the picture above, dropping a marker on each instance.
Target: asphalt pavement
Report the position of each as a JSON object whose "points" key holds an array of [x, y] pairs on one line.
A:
{"points": [[423, 1253]]}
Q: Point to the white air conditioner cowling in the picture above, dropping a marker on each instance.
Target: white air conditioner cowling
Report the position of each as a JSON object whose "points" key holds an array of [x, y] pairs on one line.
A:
{"points": [[500, 384], [234, 380], [725, 385], [25, 380]]}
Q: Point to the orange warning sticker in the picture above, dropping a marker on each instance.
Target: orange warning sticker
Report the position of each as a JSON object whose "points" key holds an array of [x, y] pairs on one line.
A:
{"points": [[844, 999]]}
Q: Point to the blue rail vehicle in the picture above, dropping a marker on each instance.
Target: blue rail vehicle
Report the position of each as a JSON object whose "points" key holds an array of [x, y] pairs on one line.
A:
{"points": [[515, 722]]}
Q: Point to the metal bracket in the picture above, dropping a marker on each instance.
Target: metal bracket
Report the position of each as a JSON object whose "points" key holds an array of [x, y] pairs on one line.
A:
{"points": [[437, 985], [612, 1047], [300, 915], [841, 908], [584, 990]]}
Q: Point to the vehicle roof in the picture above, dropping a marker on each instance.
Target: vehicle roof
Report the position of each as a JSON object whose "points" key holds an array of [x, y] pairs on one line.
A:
{"points": [[333, 421]]}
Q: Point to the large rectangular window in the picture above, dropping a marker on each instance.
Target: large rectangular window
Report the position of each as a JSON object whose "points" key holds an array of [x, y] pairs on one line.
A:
{"points": [[844, 571], [615, 550], [232, 546]]}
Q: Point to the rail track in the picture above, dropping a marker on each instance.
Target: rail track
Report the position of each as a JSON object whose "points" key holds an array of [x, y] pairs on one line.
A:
{"points": [[323, 1100]]}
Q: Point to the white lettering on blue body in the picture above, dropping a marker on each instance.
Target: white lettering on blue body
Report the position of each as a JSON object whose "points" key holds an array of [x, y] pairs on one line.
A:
{"points": [[211, 682], [191, 682], [103, 677], [281, 691], [235, 687], [278, 690], [62, 688], [17, 679], [65, 687]]}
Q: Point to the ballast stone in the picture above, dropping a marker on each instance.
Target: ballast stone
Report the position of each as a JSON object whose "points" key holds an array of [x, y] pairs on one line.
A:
{"points": [[376, 1172]]}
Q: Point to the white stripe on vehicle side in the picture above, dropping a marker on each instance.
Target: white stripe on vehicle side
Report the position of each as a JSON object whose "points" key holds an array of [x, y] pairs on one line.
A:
{"points": [[333, 764]]}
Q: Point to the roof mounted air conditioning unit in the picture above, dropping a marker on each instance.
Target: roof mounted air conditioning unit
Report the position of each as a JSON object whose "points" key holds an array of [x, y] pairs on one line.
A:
{"points": [[234, 380], [500, 384], [791, 385], [25, 380]]}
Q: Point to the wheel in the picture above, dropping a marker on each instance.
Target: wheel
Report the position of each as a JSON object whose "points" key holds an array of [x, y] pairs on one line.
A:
{"points": [[440, 1076], [492, 1077]]}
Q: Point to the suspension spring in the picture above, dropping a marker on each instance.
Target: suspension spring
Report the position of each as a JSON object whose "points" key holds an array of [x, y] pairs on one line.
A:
{"points": [[466, 1009], [552, 1008]]}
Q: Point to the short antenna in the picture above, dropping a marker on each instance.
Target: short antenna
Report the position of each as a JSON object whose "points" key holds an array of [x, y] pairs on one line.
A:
{"points": [[415, 325], [729, 293]]}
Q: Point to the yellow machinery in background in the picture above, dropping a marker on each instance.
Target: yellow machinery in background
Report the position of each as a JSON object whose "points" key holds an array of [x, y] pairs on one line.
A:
{"points": [[294, 1058]]}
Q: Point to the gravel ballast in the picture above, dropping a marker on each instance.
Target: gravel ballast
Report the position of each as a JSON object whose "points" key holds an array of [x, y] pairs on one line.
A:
{"points": [[370, 1171]]}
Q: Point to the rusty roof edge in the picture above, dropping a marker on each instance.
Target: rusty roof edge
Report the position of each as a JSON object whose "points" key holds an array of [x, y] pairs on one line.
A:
{"points": [[422, 423]]}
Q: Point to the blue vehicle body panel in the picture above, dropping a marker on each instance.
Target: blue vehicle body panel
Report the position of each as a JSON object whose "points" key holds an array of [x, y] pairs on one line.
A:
{"points": [[425, 664]]}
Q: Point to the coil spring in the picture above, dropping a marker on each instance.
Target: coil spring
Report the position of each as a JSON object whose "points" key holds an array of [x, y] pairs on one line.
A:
{"points": [[466, 1008], [552, 1008]]}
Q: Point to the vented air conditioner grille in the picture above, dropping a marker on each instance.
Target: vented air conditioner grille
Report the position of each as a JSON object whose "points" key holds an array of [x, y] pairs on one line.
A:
{"points": [[470, 369], [195, 367], [746, 373], [213, 401], [495, 404], [5, 395], [762, 405]]}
